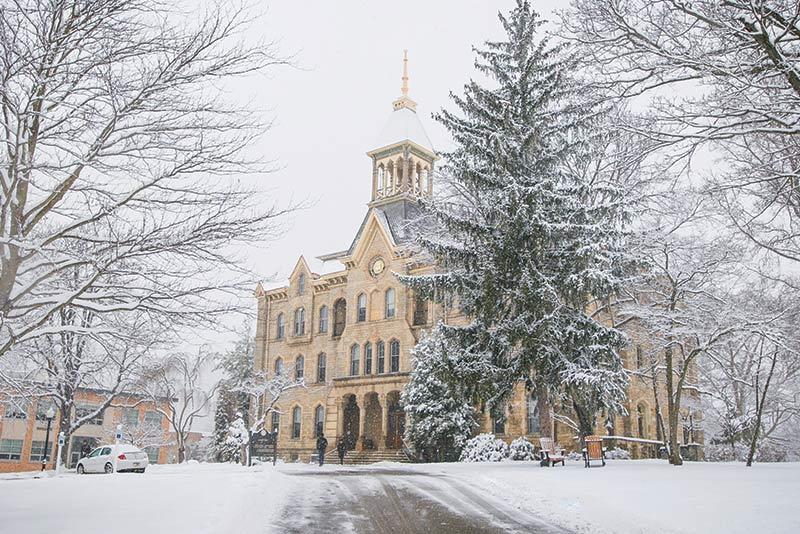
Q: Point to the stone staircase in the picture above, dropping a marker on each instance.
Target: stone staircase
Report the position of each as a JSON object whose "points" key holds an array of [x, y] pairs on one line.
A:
{"points": [[374, 456]]}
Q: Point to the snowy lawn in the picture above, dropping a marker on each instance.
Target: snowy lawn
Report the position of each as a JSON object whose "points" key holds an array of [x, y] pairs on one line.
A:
{"points": [[195, 498], [646, 495]]}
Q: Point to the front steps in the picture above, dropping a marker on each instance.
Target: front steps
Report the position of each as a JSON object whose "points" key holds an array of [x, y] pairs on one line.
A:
{"points": [[373, 456]]}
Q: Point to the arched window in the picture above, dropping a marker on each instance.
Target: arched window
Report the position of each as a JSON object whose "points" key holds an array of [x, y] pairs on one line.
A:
{"points": [[319, 420], [299, 321], [381, 349], [499, 426], [279, 366], [280, 330], [339, 317], [390, 309], [389, 185], [322, 362], [420, 310], [423, 181], [367, 358], [394, 362], [641, 423], [297, 415], [323, 320], [355, 355], [381, 179], [276, 420], [362, 308], [533, 415], [301, 284], [299, 367]]}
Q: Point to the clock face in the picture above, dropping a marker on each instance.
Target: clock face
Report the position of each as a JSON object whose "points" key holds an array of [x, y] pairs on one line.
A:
{"points": [[377, 266]]}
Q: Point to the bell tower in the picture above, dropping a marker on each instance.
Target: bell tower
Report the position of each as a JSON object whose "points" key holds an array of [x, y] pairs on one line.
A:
{"points": [[403, 162]]}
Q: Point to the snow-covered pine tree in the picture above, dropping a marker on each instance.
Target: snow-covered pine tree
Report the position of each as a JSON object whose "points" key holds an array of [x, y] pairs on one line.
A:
{"points": [[237, 365], [441, 416], [525, 242]]}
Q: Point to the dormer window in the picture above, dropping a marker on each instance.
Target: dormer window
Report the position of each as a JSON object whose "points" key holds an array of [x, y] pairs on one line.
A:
{"points": [[301, 284]]}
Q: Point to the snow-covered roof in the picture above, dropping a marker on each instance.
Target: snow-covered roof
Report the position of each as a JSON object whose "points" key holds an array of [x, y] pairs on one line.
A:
{"points": [[403, 125]]}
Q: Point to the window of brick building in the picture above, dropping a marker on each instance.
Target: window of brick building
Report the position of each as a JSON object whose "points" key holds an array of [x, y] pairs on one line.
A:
{"points": [[319, 420], [10, 449], [299, 367], [37, 451]]}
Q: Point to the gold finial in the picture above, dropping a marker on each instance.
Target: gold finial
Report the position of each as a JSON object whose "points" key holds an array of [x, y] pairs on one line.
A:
{"points": [[405, 73]]}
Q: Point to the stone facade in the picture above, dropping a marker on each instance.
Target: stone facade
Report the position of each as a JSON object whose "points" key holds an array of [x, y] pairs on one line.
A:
{"points": [[348, 331]]}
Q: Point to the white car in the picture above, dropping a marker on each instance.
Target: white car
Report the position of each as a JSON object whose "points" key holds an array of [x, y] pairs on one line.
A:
{"points": [[110, 458]]}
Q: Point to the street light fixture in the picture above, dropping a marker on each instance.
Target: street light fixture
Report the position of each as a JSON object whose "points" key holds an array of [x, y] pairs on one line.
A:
{"points": [[50, 415]]}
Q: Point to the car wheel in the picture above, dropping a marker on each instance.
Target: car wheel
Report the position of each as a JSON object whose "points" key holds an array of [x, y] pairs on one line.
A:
{"points": [[80, 469], [141, 470], [109, 468]]}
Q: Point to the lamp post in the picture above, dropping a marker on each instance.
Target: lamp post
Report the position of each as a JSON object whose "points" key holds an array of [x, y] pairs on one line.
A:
{"points": [[51, 413]]}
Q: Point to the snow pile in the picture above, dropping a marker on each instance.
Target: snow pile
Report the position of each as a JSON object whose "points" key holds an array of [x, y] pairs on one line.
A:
{"points": [[521, 449], [484, 448], [618, 454]]}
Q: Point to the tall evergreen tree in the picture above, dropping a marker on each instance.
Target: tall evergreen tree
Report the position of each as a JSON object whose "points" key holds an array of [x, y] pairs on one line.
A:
{"points": [[525, 242]]}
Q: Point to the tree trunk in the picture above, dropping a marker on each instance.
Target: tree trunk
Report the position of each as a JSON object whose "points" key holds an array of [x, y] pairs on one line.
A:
{"points": [[759, 411], [585, 421], [673, 406], [545, 414], [181, 451]]}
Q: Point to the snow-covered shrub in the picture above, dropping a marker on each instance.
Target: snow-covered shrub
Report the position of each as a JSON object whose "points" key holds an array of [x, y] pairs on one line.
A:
{"points": [[484, 448], [521, 449], [618, 454], [575, 456], [441, 416], [725, 452]]}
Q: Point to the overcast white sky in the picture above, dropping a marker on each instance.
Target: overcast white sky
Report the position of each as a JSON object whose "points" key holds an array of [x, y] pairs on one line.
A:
{"points": [[330, 110]]}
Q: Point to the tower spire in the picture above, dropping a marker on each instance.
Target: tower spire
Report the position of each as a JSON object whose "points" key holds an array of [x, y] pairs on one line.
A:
{"points": [[405, 73], [404, 101]]}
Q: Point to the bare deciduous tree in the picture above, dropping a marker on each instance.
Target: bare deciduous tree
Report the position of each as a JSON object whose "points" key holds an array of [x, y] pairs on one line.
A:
{"points": [[118, 149], [175, 386]]}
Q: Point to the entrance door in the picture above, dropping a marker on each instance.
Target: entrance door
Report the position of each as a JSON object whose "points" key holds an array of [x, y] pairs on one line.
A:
{"points": [[351, 423], [397, 427]]}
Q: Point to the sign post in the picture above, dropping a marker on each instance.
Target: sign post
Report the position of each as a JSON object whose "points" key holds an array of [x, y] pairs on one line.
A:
{"points": [[58, 453], [262, 442]]}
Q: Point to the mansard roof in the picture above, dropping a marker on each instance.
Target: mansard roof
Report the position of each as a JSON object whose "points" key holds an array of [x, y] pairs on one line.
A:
{"points": [[403, 125], [396, 217]]}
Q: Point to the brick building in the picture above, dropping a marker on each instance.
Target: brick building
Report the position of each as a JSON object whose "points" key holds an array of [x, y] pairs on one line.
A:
{"points": [[23, 427]]}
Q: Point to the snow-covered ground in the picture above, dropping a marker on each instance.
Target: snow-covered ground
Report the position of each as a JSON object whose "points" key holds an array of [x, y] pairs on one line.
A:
{"points": [[625, 496], [647, 495], [174, 499]]}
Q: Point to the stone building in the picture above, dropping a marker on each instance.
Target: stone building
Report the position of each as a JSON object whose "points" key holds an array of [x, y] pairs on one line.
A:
{"points": [[346, 325]]}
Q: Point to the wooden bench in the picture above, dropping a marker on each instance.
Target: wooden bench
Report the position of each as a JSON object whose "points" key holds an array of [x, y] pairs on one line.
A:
{"points": [[594, 451], [552, 454]]}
